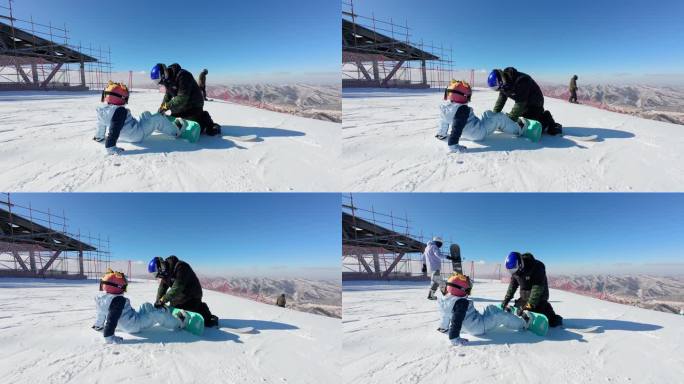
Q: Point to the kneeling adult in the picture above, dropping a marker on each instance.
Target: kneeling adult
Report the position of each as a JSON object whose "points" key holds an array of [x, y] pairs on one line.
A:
{"points": [[180, 287]]}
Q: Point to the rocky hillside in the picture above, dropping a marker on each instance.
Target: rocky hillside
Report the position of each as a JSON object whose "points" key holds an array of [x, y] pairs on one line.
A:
{"points": [[650, 102], [314, 296], [317, 102], [660, 293]]}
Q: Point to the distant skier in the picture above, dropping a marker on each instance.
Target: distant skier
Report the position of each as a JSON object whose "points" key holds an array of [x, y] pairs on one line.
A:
{"points": [[529, 274], [459, 313], [183, 96], [573, 89], [115, 122], [433, 260], [528, 97], [114, 311], [202, 82], [459, 119], [281, 301], [179, 287]]}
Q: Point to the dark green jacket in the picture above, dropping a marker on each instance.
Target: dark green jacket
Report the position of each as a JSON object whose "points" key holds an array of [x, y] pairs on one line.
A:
{"points": [[522, 89], [534, 288], [182, 91], [573, 83], [182, 284]]}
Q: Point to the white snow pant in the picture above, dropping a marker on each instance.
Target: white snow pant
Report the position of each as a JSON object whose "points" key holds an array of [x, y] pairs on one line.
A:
{"points": [[436, 280], [492, 317], [478, 130], [146, 317], [144, 128]]}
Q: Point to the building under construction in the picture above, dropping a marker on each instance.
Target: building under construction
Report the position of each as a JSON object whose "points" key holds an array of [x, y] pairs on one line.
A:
{"points": [[380, 246], [35, 243], [378, 53], [36, 56]]}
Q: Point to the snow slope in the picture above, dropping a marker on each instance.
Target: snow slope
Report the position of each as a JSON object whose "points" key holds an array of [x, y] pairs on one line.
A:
{"points": [[390, 337], [388, 144], [45, 145], [46, 338]]}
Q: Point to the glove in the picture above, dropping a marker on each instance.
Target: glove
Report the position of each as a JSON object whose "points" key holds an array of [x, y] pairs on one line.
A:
{"points": [[449, 258], [424, 269], [504, 306], [159, 304], [526, 307], [163, 108]]}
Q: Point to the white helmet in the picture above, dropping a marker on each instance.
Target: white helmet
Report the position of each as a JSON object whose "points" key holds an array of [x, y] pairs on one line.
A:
{"points": [[437, 238]]}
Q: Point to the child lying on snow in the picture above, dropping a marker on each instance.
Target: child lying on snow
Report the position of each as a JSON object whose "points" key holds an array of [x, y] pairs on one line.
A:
{"points": [[455, 113], [114, 311], [115, 122], [459, 313]]}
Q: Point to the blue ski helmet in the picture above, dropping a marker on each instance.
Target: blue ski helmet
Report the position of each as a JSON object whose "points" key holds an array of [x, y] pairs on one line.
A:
{"points": [[157, 266], [513, 262], [157, 73], [494, 80]]}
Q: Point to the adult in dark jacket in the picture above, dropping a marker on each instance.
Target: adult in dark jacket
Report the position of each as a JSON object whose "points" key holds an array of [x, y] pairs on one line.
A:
{"points": [[281, 301], [202, 82], [573, 89], [183, 96], [529, 274], [180, 287], [528, 97]]}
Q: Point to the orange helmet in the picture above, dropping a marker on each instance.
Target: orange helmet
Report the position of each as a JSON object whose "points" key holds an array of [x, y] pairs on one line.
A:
{"points": [[458, 92], [459, 285], [115, 93], [113, 282]]}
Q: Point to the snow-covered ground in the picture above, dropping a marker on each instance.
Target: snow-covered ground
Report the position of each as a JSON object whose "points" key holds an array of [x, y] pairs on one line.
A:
{"points": [[388, 144], [46, 337], [390, 337], [46, 145]]}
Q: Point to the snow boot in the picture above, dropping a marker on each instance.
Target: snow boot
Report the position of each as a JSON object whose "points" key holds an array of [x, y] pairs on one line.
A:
{"points": [[180, 124], [457, 149], [440, 137], [459, 341], [527, 320], [442, 330], [113, 340], [531, 129], [114, 150], [431, 296], [183, 317], [212, 322], [555, 129]]}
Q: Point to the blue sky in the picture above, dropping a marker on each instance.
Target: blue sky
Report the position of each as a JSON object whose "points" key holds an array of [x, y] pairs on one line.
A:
{"points": [[271, 38], [232, 233], [611, 40], [568, 232]]}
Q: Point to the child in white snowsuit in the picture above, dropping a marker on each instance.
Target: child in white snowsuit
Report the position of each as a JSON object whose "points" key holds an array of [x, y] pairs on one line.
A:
{"points": [[115, 122], [458, 312], [114, 311], [457, 115]]}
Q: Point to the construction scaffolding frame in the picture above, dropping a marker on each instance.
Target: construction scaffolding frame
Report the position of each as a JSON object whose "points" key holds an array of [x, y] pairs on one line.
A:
{"points": [[380, 53], [379, 245], [35, 243], [36, 56]]}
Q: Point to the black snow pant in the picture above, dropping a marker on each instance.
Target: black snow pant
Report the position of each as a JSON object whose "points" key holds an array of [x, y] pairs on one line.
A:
{"points": [[457, 315], [202, 117], [545, 309], [573, 96], [204, 92], [197, 305], [544, 117]]}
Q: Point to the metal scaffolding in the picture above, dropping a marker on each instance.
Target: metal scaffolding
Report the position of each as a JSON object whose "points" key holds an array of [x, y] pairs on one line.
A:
{"points": [[35, 56], [379, 53], [35, 243], [378, 245]]}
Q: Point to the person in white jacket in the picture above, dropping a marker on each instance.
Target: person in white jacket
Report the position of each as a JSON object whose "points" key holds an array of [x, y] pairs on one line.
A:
{"points": [[458, 312], [115, 122], [456, 116], [114, 311], [433, 261]]}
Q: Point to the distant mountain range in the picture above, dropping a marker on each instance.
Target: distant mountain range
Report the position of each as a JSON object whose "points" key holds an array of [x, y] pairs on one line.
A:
{"points": [[665, 294], [650, 102], [321, 102], [314, 296]]}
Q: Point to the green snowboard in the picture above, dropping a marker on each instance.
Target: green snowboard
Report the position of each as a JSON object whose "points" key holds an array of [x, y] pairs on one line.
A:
{"points": [[191, 132], [194, 323], [532, 130], [539, 323]]}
